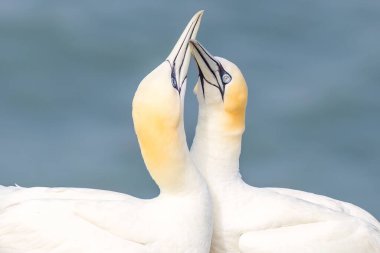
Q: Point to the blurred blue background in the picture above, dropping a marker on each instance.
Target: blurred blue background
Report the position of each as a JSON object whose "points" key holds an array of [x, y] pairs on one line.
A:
{"points": [[69, 69]]}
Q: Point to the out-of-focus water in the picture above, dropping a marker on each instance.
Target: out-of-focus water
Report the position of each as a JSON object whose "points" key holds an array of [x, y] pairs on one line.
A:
{"points": [[69, 69]]}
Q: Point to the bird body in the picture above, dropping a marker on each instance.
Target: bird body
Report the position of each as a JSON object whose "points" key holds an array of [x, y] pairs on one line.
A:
{"points": [[248, 219], [111, 222], [72, 220]]}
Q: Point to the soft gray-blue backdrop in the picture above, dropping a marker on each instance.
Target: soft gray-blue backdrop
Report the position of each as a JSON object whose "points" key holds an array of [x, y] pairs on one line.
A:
{"points": [[69, 69]]}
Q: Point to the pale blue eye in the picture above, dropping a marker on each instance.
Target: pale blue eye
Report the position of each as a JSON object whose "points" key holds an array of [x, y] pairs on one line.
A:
{"points": [[226, 78]]}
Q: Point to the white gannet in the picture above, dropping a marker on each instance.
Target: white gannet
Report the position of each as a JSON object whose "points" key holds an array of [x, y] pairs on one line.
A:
{"points": [[258, 220], [68, 220]]}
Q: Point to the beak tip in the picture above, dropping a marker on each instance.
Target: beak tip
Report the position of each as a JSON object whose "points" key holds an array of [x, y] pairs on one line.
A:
{"points": [[200, 12], [197, 16], [192, 29]]}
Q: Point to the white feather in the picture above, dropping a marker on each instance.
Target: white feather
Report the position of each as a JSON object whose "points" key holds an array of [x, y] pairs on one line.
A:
{"points": [[263, 220]]}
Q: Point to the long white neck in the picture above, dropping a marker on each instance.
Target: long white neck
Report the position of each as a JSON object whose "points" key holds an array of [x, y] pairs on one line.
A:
{"points": [[168, 159], [215, 149], [162, 141]]}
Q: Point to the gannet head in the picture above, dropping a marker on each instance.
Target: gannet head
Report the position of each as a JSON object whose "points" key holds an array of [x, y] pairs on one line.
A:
{"points": [[158, 110], [221, 91]]}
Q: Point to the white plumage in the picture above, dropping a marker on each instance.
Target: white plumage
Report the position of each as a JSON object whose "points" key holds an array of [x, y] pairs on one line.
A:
{"points": [[69, 220], [262, 220]]}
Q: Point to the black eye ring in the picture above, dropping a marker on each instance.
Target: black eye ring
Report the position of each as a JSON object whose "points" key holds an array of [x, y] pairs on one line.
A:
{"points": [[174, 82], [226, 78]]}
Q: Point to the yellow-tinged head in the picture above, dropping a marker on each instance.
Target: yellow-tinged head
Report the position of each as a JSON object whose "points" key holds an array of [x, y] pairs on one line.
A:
{"points": [[221, 91], [158, 112]]}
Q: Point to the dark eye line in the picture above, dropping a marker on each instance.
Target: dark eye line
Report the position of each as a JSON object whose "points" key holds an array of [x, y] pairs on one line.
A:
{"points": [[221, 72], [205, 61], [221, 87], [206, 52], [211, 83], [173, 75], [203, 79]]}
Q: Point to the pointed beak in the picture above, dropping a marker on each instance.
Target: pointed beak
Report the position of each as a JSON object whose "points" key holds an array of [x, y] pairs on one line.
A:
{"points": [[211, 72], [179, 58]]}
